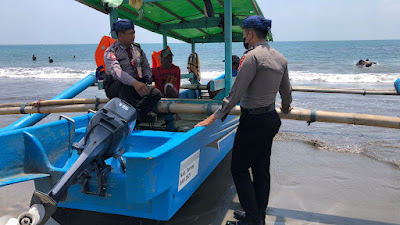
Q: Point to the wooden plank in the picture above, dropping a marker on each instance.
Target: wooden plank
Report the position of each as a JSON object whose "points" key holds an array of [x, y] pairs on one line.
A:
{"points": [[195, 6], [175, 15], [217, 84], [188, 75], [205, 22], [221, 3], [194, 86], [345, 91], [156, 25], [255, 7]]}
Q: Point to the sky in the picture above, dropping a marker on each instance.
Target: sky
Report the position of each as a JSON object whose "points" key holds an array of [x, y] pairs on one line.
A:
{"points": [[70, 22]]}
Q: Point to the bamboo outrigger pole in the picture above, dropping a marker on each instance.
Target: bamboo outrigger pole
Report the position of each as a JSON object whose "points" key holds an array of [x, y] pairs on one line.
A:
{"points": [[56, 102], [208, 108], [295, 114], [345, 91], [317, 90]]}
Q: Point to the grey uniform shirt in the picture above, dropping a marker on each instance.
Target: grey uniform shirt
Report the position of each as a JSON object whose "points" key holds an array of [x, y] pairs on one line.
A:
{"points": [[119, 66], [262, 73]]}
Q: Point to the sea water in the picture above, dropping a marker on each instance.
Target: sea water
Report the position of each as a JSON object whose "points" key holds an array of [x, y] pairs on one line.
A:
{"points": [[314, 63]]}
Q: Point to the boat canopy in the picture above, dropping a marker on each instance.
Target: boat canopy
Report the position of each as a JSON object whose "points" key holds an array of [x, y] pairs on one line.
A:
{"points": [[191, 21]]}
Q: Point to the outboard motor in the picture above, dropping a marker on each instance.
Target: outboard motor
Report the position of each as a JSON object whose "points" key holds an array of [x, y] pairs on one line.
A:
{"points": [[105, 134]]}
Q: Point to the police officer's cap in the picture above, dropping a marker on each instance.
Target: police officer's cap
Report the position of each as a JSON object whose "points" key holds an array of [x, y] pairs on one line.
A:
{"points": [[123, 25], [257, 22]]}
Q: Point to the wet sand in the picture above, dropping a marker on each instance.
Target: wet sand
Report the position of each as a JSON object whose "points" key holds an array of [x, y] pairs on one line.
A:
{"points": [[309, 186]]}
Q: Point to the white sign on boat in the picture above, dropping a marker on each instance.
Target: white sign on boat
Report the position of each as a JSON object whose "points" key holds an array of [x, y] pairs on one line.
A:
{"points": [[189, 169]]}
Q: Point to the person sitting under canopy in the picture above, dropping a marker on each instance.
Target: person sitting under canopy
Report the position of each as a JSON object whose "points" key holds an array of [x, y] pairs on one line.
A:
{"points": [[167, 77]]}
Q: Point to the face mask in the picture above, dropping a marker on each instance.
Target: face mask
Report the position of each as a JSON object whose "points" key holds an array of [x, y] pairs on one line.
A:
{"points": [[246, 45]]}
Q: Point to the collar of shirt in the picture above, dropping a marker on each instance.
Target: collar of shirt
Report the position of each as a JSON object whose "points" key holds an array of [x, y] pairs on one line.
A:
{"points": [[257, 44], [261, 43], [123, 47]]}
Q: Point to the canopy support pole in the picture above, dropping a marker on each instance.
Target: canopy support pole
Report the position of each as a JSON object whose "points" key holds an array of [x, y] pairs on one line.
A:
{"points": [[193, 47], [228, 45], [113, 19], [165, 43]]}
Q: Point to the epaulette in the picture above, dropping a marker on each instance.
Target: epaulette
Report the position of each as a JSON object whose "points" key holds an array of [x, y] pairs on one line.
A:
{"points": [[136, 44], [114, 48], [251, 48]]}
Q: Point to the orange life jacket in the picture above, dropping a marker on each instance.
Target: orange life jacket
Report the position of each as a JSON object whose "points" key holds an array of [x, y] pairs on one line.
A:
{"points": [[105, 42]]}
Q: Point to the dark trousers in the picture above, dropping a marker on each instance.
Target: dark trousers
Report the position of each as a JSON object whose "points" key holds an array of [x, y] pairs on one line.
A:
{"points": [[128, 93], [252, 149]]}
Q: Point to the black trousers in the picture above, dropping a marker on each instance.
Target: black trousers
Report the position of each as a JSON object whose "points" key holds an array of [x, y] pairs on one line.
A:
{"points": [[252, 149], [128, 93]]}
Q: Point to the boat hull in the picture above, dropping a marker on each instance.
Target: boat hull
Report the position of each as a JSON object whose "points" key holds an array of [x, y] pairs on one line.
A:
{"points": [[163, 169]]}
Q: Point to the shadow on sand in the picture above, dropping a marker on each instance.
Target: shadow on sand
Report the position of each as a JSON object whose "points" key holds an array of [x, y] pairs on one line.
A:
{"points": [[213, 203]]}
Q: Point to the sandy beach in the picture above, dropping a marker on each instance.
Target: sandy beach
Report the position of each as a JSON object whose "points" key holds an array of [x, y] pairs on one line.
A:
{"points": [[309, 186]]}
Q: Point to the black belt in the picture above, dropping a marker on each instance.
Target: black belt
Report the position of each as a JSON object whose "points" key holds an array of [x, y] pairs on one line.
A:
{"points": [[260, 110]]}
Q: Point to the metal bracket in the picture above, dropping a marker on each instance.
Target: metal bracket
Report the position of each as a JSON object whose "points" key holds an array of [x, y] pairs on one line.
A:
{"points": [[71, 131], [91, 111], [69, 119], [102, 170]]}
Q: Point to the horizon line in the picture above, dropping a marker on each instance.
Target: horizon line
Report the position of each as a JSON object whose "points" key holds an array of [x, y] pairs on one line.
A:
{"points": [[210, 43]]}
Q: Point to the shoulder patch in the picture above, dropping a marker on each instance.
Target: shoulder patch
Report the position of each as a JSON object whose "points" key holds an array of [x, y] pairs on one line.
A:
{"points": [[113, 56], [241, 61]]}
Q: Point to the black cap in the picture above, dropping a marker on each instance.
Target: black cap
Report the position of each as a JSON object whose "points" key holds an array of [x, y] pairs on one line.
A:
{"points": [[257, 22], [166, 52], [123, 25]]}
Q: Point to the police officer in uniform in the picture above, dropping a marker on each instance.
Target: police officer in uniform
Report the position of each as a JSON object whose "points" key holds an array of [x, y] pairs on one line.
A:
{"points": [[128, 71], [262, 73]]}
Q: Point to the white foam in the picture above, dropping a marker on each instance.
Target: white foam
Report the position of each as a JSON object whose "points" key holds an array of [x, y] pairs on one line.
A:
{"points": [[69, 73], [43, 73], [206, 76], [344, 78]]}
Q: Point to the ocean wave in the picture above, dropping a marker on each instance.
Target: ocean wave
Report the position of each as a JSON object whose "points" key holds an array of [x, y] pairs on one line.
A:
{"points": [[43, 73], [383, 151], [206, 76], [343, 78], [71, 73], [209, 75], [323, 77]]}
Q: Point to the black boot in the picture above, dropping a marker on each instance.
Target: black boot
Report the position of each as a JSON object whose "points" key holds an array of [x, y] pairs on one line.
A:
{"points": [[241, 215]]}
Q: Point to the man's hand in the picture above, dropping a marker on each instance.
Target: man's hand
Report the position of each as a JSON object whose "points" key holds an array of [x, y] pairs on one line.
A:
{"points": [[171, 91], [286, 109], [211, 119], [140, 88]]}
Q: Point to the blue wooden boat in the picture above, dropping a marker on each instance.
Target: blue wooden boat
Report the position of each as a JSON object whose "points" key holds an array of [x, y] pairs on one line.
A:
{"points": [[160, 169]]}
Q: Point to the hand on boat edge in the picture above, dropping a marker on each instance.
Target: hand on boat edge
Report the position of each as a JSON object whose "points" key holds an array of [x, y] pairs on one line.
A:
{"points": [[286, 110], [210, 120]]}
